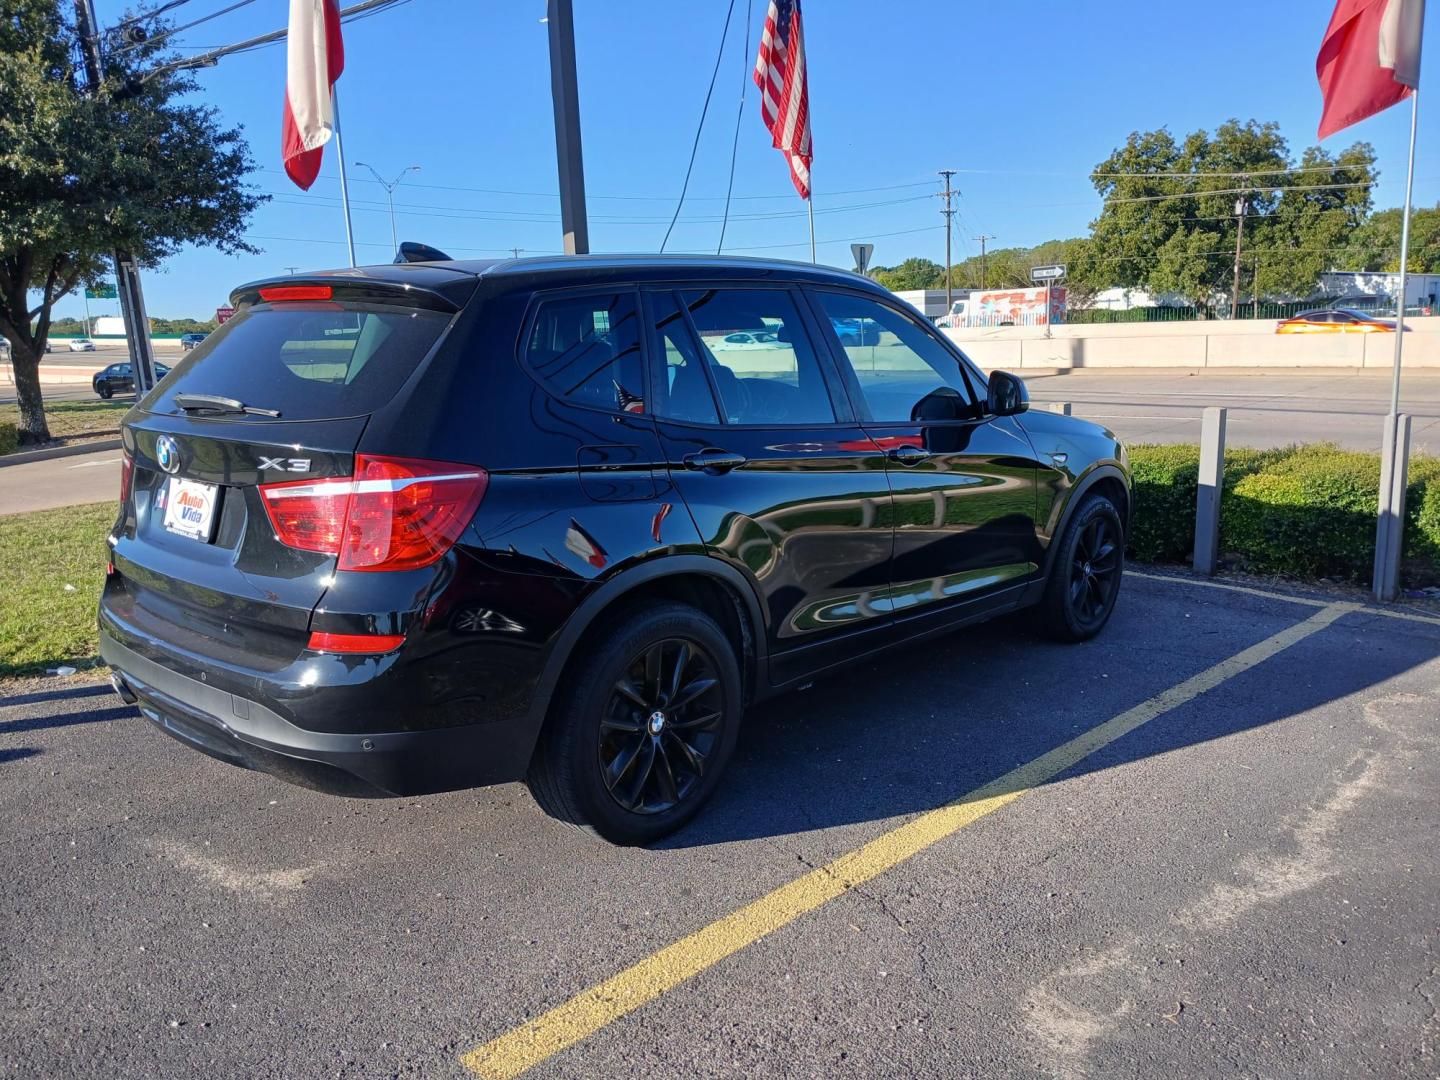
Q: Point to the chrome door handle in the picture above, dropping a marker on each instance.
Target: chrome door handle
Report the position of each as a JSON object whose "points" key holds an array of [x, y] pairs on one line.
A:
{"points": [[712, 460], [907, 454]]}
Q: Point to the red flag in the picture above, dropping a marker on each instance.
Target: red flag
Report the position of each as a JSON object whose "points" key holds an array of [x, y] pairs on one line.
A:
{"points": [[1369, 59], [315, 57]]}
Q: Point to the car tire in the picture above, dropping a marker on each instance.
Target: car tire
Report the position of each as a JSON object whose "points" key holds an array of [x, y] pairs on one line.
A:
{"points": [[104, 391], [1086, 573], [587, 770]]}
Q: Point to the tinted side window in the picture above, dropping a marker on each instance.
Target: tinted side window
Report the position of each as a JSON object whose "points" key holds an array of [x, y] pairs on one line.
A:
{"points": [[680, 386], [904, 374], [587, 349], [772, 376]]}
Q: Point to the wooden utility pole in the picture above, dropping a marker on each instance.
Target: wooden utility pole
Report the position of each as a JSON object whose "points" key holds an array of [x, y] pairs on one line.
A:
{"points": [[982, 238], [127, 273], [949, 213], [1239, 235]]}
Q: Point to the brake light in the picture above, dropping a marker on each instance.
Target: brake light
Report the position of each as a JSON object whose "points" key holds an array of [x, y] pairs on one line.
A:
{"points": [[392, 514], [127, 477], [320, 641], [278, 294]]}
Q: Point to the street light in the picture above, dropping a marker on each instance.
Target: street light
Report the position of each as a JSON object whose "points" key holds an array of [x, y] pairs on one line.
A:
{"points": [[389, 194]]}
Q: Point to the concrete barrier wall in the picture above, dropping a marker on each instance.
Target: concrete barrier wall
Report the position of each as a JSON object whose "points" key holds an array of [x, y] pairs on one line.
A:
{"points": [[1217, 343]]}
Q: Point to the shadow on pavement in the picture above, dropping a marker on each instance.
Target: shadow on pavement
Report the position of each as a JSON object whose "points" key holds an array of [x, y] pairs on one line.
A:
{"points": [[93, 716], [55, 695], [919, 729], [17, 754]]}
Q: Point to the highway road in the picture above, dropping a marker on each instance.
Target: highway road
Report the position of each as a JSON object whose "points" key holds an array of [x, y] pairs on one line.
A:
{"points": [[1266, 409]]}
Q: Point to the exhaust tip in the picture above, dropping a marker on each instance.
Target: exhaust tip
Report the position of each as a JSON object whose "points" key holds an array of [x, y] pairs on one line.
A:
{"points": [[122, 688]]}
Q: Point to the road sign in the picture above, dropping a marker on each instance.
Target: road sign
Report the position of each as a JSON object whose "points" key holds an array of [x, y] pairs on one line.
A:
{"points": [[103, 291], [223, 313], [862, 253], [1047, 273]]}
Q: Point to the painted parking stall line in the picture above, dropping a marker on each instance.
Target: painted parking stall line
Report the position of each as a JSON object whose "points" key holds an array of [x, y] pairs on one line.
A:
{"points": [[522, 1048]]}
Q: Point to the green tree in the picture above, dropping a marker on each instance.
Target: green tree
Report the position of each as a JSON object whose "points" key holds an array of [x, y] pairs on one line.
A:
{"points": [[1168, 223], [1375, 245], [913, 273], [134, 167]]}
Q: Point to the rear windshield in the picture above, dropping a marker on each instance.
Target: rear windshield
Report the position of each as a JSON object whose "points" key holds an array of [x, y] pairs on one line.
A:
{"points": [[307, 361]]}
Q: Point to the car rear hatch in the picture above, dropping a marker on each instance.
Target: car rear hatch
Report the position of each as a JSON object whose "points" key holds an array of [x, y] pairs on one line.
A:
{"points": [[219, 552]]}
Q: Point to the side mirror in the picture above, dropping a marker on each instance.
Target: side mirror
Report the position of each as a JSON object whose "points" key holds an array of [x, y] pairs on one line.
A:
{"points": [[1007, 394]]}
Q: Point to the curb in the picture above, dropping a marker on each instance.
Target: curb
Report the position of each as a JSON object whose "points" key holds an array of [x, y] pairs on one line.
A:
{"points": [[28, 456]]}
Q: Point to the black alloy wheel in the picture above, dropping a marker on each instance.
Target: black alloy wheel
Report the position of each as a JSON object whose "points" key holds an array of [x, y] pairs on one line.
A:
{"points": [[1085, 576], [643, 725], [1095, 570], [660, 726], [103, 389]]}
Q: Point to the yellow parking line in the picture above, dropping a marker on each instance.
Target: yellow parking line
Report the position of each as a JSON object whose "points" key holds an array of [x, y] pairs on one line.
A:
{"points": [[1310, 601], [586, 1013]]}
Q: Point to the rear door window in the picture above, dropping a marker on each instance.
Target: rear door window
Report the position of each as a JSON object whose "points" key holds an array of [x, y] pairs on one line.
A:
{"points": [[308, 361], [764, 366], [586, 349], [681, 387]]}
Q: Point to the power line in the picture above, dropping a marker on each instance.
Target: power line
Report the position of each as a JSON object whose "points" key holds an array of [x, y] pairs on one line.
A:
{"points": [[739, 115], [187, 26], [211, 58], [629, 198], [467, 213], [700, 127], [147, 15]]}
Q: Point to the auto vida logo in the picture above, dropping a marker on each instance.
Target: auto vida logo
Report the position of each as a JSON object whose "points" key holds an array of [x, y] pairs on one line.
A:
{"points": [[167, 454]]}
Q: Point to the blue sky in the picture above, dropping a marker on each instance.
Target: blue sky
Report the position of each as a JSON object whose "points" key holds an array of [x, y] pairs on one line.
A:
{"points": [[1023, 99]]}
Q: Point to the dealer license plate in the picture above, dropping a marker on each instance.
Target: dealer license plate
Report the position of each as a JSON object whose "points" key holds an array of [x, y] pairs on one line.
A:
{"points": [[190, 508]]}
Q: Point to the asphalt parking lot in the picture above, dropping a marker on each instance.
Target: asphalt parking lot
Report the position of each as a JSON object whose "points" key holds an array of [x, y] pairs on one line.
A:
{"points": [[1203, 844]]}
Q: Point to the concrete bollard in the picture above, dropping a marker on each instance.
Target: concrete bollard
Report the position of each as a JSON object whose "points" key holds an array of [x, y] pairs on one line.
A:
{"points": [[1207, 496], [1390, 521], [1061, 407]]}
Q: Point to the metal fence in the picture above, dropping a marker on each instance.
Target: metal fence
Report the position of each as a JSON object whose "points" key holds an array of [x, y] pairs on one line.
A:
{"points": [[1262, 310]]}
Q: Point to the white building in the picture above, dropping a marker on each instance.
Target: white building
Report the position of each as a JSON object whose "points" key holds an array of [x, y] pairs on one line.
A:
{"points": [[1421, 290]]}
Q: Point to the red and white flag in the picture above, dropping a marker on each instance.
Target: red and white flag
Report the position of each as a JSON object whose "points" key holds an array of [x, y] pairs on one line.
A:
{"points": [[315, 57], [784, 95], [1369, 59]]}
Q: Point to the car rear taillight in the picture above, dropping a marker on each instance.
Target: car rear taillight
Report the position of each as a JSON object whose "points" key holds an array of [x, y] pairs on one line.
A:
{"points": [[322, 641], [127, 477], [392, 514]]}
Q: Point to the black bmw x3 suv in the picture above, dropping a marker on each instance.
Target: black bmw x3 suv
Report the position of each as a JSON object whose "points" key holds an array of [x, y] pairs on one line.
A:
{"points": [[425, 526]]}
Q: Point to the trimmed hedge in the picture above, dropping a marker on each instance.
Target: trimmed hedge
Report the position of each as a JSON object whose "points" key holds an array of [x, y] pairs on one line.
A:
{"points": [[1305, 511], [9, 438]]}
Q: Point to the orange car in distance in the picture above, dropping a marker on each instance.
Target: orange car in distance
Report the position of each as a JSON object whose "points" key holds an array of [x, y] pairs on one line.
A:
{"points": [[1335, 321]]}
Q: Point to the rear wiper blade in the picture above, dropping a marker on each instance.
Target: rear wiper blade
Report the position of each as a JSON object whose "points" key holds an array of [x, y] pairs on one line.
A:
{"points": [[215, 404]]}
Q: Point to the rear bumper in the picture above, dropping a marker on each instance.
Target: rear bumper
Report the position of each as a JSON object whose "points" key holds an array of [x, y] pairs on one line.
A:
{"points": [[246, 733]]}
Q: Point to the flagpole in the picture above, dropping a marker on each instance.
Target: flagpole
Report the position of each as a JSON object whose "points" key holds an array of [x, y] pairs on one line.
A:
{"points": [[1404, 253], [1394, 454], [344, 186], [810, 209]]}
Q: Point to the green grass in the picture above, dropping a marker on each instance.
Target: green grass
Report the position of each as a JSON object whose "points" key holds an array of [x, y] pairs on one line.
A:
{"points": [[43, 625], [68, 419]]}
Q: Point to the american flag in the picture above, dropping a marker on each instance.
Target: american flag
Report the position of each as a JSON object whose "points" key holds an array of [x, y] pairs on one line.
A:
{"points": [[784, 96]]}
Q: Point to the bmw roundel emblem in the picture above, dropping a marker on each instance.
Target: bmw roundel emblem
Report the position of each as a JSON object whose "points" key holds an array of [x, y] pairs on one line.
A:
{"points": [[167, 454]]}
